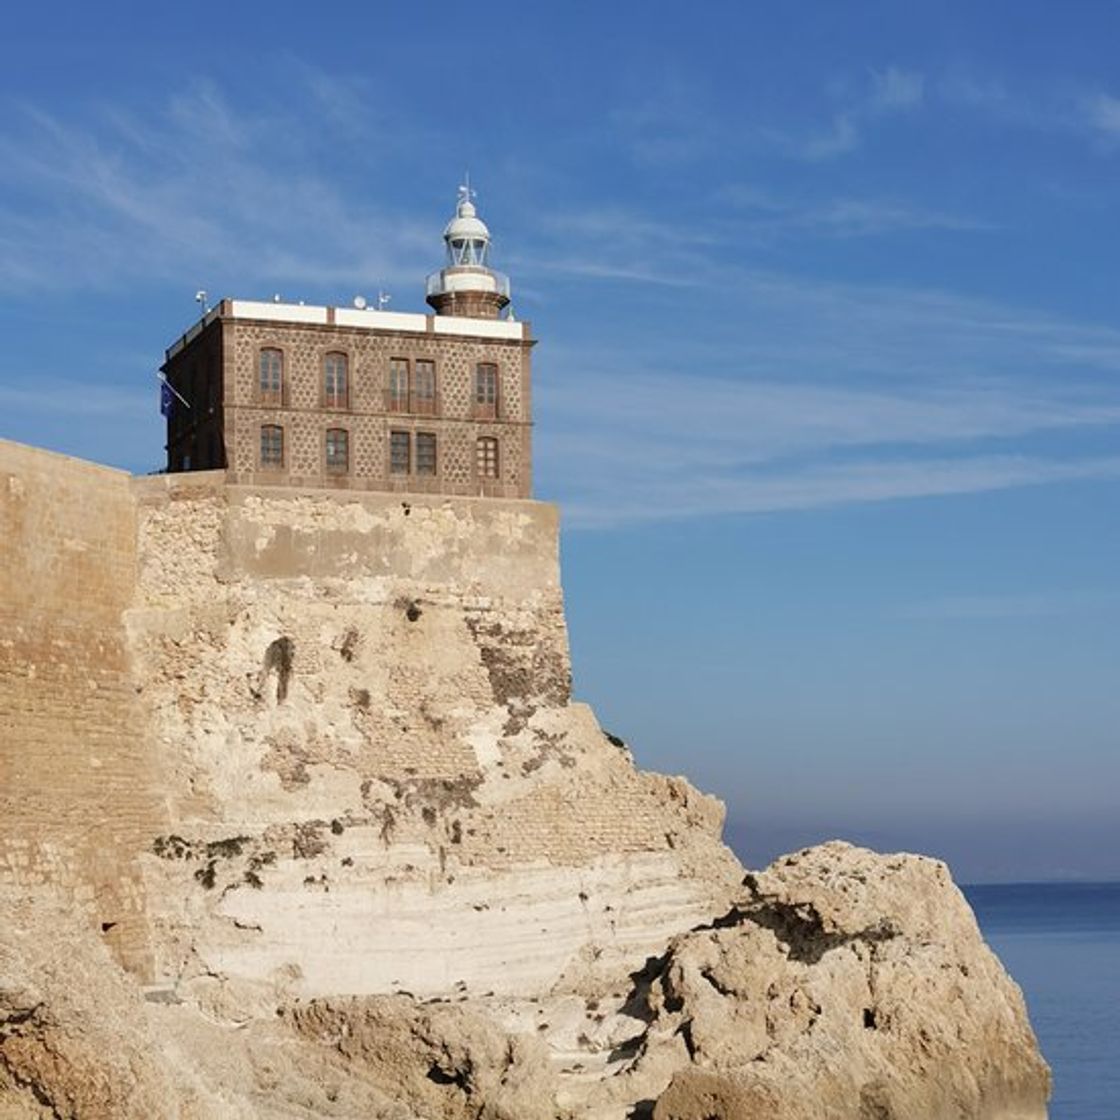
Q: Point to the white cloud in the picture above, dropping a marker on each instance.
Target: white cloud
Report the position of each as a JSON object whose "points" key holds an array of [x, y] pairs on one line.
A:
{"points": [[190, 189], [838, 393], [65, 396], [841, 137], [1103, 114], [840, 217], [824, 486], [895, 89], [891, 91], [1044, 109]]}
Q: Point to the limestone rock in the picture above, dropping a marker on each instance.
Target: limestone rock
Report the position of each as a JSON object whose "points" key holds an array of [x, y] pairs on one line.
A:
{"points": [[846, 985], [73, 1038], [444, 1060], [315, 753]]}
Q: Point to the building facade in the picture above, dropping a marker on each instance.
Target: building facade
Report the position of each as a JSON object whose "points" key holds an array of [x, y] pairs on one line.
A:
{"points": [[355, 397]]}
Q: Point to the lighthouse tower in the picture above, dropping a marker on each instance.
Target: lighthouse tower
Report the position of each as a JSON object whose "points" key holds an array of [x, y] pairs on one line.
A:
{"points": [[467, 286]]}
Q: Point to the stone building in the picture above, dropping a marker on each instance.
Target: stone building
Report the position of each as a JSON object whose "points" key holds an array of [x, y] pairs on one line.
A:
{"points": [[363, 398]]}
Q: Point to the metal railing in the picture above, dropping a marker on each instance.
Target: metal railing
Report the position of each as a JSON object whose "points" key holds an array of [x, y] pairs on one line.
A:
{"points": [[436, 284]]}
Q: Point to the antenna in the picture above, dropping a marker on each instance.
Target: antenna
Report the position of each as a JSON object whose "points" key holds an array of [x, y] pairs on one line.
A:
{"points": [[383, 300], [201, 299], [277, 298]]}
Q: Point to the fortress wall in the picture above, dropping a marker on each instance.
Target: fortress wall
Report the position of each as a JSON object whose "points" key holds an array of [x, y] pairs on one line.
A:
{"points": [[303, 742], [76, 799], [401, 619], [411, 801]]}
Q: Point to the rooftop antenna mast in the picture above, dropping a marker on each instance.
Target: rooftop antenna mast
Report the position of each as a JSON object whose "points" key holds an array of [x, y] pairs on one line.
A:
{"points": [[202, 299]]}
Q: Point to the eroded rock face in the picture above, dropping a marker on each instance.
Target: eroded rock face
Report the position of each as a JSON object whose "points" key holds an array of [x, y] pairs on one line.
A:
{"points": [[845, 986], [373, 861], [375, 778], [443, 1059]]}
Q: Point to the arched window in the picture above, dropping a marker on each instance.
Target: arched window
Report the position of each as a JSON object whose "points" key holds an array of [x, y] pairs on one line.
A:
{"points": [[486, 390], [271, 380], [272, 446], [335, 388], [486, 457], [338, 451]]}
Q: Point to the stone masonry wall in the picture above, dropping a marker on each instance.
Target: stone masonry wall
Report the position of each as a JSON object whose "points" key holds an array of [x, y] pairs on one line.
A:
{"points": [[375, 776], [283, 743], [305, 419], [76, 784]]}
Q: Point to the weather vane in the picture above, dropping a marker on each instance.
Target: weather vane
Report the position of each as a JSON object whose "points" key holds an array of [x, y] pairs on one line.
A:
{"points": [[465, 191]]}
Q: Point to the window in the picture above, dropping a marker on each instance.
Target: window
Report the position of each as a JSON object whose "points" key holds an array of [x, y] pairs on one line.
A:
{"points": [[400, 458], [271, 381], [334, 381], [424, 388], [486, 390], [486, 457], [425, 453], [398, 385], [272, 445], [338, 451]]}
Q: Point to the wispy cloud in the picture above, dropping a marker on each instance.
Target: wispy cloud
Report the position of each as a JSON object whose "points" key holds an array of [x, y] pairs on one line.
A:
{"points": [[191, 188], [824, 486], [1103, 114], [842, 135], [1044, 604], [895, 88], [838, 394], [887, 92], [840, 217], [665, 122], [64, 396], [1057, 109]]}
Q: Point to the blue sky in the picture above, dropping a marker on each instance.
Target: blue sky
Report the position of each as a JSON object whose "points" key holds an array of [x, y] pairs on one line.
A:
{"points": [[827, 381]]}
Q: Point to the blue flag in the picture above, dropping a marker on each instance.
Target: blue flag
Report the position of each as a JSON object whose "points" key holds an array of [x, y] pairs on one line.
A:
{"points": [[166, 399]]}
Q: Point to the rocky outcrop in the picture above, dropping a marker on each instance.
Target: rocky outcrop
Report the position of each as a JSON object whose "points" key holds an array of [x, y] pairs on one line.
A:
{"points": [[338, 843], [843, 985], [375, 777]]}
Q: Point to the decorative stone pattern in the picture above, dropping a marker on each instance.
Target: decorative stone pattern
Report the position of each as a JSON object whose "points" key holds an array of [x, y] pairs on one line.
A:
{"points": [[229, 348]]}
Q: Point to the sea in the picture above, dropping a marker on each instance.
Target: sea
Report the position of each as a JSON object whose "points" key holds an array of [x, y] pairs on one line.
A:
{"points": [[1061, 943]]}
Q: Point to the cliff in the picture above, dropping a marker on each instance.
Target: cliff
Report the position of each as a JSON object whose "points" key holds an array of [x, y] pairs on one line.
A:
{"points": [[300, 820]]}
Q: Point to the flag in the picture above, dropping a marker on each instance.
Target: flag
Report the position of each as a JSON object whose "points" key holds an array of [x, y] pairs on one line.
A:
{"points": [[166, 400]]}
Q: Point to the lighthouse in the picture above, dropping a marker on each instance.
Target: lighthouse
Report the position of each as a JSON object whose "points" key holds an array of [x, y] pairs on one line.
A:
{"points": [[467, 286]]}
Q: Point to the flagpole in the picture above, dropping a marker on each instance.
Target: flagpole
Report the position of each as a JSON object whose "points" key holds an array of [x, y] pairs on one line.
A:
{"points": [[160, 374]]}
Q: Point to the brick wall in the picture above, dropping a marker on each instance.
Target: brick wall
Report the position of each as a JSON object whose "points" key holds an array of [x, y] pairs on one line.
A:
{"points": [[227, 354], [76, 797]]}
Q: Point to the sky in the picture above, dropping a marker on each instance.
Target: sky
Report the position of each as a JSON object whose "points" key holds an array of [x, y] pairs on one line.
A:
{"points": [[827, 380]]}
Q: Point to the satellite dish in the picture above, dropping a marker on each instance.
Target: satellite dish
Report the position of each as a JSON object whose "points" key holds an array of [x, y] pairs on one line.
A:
{"points": [[360, 302]]}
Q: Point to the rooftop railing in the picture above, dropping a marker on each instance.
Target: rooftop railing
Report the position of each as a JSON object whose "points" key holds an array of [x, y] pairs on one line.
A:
{"points": [[437, 284]]}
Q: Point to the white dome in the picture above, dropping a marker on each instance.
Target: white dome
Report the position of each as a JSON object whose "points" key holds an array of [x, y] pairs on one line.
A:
{"points": [[466, 225]]}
